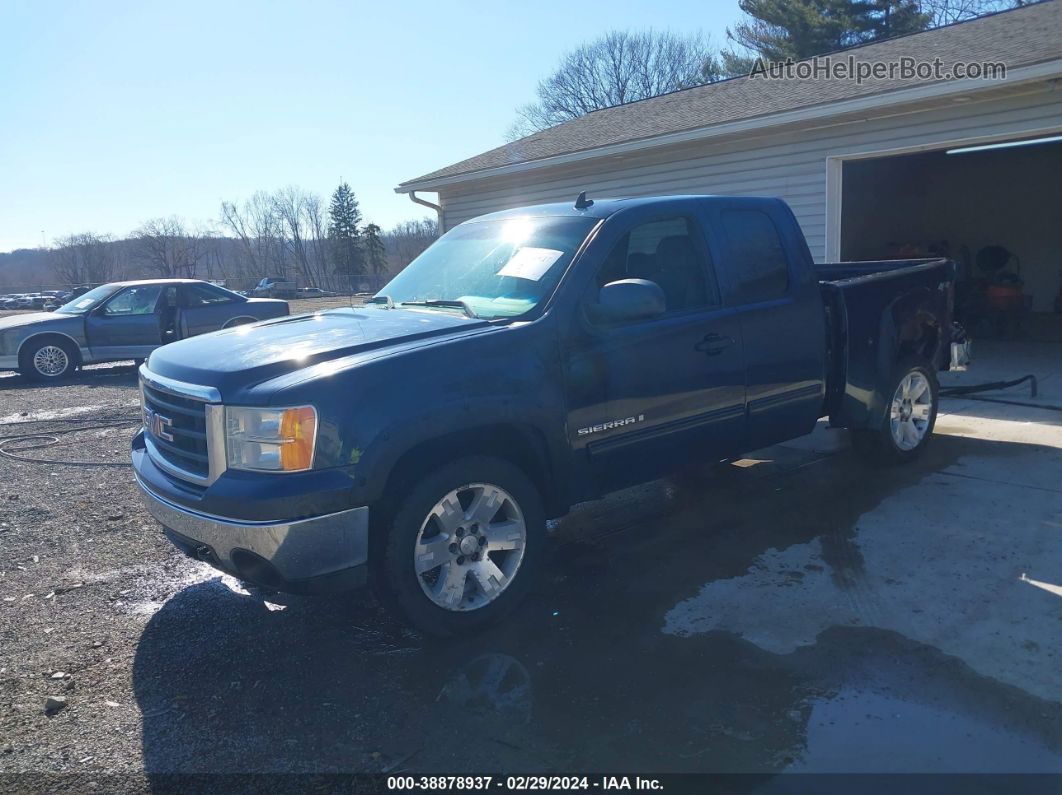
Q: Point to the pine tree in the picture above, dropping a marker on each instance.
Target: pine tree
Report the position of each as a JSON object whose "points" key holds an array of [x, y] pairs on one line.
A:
{"points": [[887, 18], [781, 29], [344, 236], [375, 251]]}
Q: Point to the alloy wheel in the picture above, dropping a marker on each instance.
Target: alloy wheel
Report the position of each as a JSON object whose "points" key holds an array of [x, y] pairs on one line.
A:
{"points": [[50, 360], [911, 410], [470, 547]]}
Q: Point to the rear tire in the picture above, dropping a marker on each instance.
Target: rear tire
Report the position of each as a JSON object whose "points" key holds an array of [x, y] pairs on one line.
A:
{"points": [[48, 360], [464, 546], [910, 416]]}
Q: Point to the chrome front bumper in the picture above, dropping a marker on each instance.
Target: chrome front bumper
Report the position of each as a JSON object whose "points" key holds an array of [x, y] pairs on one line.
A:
{"points": [[295, 553]]}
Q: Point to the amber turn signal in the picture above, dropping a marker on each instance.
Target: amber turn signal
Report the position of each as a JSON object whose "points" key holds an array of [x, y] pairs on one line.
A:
{"points": [[298, 430]]}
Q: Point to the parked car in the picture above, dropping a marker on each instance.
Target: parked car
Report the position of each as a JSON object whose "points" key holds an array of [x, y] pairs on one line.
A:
{"points": [[122, 320], [314, 292], [528, 360], [274, 287]]}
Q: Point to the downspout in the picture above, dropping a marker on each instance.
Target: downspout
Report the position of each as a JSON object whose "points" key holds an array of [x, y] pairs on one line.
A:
{"points": [[413, 197]]}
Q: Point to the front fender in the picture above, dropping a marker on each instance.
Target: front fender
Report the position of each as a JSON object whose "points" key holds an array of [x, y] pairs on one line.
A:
{"points": [[464, 429], [13, 339]]}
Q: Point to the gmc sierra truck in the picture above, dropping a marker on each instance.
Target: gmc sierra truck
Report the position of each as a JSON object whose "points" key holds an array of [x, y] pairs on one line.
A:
{"points": [[530, 359]]}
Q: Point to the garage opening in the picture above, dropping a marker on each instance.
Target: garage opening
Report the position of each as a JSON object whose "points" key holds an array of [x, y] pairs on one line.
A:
{"points": [[997, 211]]}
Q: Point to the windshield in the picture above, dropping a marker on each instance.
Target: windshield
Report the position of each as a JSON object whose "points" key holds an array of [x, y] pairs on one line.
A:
{"points": [[492, 269], [83, 303]]}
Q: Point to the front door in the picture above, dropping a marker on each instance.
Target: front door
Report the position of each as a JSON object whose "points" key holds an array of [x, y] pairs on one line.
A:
{"points": [[648, 397], [128, 325]]}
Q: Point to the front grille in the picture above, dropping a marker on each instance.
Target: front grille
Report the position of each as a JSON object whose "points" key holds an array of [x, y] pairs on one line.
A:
{"points": [[184, 419]]}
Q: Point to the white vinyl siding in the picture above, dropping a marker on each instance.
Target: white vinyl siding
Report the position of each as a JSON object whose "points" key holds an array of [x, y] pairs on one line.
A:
{"points": [[790, 163]]}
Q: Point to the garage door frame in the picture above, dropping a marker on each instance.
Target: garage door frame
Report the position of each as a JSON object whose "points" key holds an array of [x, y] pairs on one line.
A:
{"points": [[835, 168]]}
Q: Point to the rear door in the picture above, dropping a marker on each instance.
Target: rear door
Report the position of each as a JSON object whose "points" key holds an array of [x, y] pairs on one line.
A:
{"points": [[648, 396], [128, 325], [774, 291]]}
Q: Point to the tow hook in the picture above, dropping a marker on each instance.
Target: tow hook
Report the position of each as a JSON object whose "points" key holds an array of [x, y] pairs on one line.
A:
{"points": [[204, 553]]}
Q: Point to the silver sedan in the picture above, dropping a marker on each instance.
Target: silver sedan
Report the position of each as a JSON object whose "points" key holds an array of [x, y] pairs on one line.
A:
{"points": [[123, 320]]}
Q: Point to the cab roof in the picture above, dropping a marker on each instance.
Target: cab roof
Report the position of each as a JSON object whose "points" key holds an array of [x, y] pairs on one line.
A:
{"points": [[137, 282], [601, 208]]}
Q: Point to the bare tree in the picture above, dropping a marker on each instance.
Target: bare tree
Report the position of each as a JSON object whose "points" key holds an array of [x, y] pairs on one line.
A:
{"points": [[405, 241], [619, 67], [256, 226], [84, 258], [945, 12], [317, 224], [290, 205], [168, 247]]}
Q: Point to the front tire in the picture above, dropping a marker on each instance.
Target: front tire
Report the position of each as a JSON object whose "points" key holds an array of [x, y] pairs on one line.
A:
{"points": [[463, 548], [48, 360], [909, 418]]}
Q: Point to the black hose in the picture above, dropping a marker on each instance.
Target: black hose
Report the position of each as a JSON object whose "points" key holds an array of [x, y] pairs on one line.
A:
{"points": [[969, 392], [956, 391], [1044, 406], [11, 446]]}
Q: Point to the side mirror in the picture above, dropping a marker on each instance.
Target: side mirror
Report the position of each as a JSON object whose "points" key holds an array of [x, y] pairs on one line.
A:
{"points": [[628, 299]]}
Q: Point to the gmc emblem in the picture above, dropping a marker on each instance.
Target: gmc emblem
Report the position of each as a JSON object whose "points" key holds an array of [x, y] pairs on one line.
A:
{"points": [[158, 424]]}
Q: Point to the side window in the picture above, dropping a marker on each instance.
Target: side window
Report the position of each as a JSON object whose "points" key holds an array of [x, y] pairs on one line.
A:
{"points": [[204, 294], [666, 252], [139, 300], [756, 256]]}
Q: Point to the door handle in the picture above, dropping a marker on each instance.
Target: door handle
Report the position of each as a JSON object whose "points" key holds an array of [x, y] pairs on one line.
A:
{"points": [[713, 344]]}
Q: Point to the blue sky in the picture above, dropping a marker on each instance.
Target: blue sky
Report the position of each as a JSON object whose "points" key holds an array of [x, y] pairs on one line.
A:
{"points": [[112, 113]]}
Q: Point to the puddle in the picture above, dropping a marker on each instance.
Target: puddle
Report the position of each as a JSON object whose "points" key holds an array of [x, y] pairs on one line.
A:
{"points": [[938, 562], [866, 732]]}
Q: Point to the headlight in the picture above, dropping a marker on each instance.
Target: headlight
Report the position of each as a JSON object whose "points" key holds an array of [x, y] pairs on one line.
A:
{"points": [[273, 440]]}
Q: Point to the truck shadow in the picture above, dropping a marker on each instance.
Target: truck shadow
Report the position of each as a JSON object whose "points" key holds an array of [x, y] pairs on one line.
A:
{"points": [[581, 678]]}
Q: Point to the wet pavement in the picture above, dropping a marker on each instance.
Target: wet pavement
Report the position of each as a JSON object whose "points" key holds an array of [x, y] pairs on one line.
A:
{"points": [[785, 615], [795, 612]]}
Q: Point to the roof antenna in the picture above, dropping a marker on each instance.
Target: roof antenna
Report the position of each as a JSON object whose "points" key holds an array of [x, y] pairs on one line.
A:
{"points": [[582, 202]]}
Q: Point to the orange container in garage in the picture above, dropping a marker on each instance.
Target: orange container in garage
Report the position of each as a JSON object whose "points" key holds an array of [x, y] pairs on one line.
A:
{"points": [[1005, 298]]}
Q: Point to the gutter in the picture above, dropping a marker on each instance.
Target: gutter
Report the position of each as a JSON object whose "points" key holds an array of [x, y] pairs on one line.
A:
{"points": [[413, 197], [1041, 71]]}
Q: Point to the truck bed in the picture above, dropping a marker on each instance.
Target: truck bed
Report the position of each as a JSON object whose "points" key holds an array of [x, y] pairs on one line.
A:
{"points": [[868, 269], [877, 312]]}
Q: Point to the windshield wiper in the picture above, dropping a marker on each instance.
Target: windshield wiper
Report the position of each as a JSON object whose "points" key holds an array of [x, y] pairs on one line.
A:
{"points": [[441, 302]]}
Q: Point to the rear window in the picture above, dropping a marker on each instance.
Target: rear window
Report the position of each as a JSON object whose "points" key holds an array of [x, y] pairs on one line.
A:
{"points": [[755, 255]]}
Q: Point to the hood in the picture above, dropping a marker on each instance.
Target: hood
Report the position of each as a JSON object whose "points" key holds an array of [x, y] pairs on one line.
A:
{"points": [[240, 357], [31, 318]]}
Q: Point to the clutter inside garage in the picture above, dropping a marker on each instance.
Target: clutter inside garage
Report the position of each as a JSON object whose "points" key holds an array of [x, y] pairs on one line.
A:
{"points": [[994, 209]]}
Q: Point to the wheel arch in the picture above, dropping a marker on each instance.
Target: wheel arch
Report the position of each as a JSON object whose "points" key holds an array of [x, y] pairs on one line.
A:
{"points": [[232, 322], [921, 337], [522, 445], [55, 335]]}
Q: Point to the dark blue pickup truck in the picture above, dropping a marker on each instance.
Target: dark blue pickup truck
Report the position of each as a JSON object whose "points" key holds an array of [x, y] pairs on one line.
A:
{"points": [[528, 360]]}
